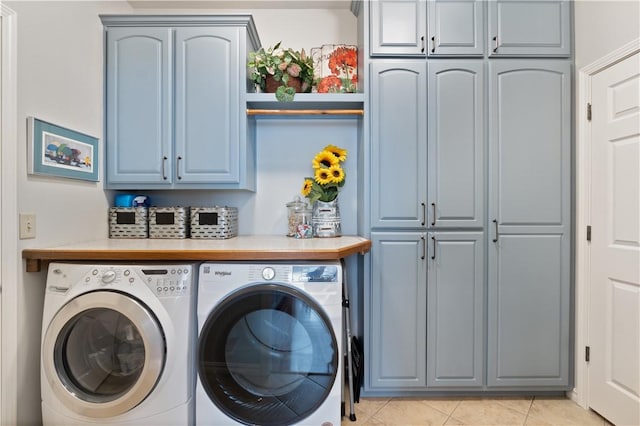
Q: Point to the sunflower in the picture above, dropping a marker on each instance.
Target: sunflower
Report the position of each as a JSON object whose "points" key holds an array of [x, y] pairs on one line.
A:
{"points": [[339, 153], [337, 174], [324, 159], [323, 177], [306, 187], [328, 175]]}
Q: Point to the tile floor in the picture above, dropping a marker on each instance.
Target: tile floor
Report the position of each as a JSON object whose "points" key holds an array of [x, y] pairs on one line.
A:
{"points": [[471, 411]]}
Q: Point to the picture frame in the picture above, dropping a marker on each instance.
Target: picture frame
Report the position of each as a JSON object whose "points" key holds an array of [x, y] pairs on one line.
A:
{"points": [[57, 151]]}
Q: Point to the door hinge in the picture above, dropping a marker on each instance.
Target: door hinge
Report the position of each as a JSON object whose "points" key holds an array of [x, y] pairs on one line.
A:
{"points": [[587, 349], [588, 232], [589, 111]]}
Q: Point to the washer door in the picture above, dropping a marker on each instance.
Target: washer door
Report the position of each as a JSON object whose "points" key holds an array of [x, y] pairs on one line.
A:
{"points": [[267, 355], [103, 353]]}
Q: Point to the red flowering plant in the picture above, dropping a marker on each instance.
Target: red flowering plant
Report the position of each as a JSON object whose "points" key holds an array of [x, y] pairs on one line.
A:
{"points": [[343, 64]]}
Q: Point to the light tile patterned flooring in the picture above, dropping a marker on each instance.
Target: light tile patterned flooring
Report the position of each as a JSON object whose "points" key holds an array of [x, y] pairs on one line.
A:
{"points": [[471, 411]]}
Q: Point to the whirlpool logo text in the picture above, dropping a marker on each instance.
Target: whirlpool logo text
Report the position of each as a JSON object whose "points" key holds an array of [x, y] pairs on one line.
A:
{"points": [[221, 273]]}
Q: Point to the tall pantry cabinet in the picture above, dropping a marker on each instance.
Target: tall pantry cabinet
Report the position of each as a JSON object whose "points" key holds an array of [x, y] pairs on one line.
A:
{"points": [[470, 196]]}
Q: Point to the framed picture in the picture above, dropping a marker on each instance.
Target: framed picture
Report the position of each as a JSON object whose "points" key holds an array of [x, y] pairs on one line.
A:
{"points": [[58, 151]]}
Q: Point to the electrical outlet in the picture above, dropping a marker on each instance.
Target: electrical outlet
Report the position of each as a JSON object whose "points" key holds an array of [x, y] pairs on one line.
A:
{"points": [[27, 226]]}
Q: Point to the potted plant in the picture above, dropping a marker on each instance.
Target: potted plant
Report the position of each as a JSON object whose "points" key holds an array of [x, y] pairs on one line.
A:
{"points": [[281, 71], [322, 191]]}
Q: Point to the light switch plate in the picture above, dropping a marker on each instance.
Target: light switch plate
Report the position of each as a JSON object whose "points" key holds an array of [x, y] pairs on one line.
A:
{"points": [[27, 226]]}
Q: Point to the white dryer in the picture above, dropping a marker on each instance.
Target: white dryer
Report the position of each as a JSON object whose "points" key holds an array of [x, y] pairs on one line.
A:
{"points": [[118, 344], [269, 344]]}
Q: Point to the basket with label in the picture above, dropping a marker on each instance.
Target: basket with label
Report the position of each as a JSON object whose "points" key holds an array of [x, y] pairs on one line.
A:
{"points": [[168, 222], [128, 222], [214, 222]]}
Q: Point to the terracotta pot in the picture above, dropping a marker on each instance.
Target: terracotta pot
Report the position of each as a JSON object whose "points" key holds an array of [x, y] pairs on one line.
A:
{"points": [[271, 85]]}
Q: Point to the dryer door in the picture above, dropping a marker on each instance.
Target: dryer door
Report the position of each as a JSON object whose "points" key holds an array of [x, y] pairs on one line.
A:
{"points": [[267, 355], [103, 353]]}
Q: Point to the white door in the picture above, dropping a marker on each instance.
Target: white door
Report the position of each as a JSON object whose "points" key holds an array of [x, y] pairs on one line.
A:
{"points": [[614, 311], [1, 235]]}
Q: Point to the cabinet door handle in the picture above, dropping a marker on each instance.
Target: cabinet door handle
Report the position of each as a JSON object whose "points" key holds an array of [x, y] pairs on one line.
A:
{"points": [[164, 162], [433, 223], [495, 224], [495, 44], [433, 44], [178, 167], [422, 43], [424, 248], [424, 213], [433, 256]]}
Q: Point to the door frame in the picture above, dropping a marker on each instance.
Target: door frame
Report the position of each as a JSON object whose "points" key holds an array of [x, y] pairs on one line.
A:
{"points": [[8, 219], [583, 214]]}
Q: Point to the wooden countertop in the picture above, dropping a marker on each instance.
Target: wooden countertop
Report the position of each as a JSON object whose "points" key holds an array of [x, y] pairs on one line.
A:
{"points": [[253, 247]]}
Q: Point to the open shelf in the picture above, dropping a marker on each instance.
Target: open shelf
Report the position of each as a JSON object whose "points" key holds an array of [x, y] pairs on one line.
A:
{"points": [[306, 104]]}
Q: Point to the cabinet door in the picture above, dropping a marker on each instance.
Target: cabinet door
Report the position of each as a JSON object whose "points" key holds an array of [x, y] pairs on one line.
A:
{"points": [[456, 27], [398, 27], [455, 306], [138, 117], [456, 144], [398, 143], [397, 311], [529, 253], [206, 105], [529, 28]]}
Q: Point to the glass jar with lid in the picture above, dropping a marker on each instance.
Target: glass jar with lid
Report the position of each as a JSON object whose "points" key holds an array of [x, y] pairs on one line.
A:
{"points": [[299, 219]]}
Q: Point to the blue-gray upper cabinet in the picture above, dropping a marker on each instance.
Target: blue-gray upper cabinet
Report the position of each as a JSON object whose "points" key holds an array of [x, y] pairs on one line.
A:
{"points": [[395, 307], [455, 27], [173, 106], [455, 307], [398, 27], [529, 224], [398, 106], [529, 27], [456, 144]]}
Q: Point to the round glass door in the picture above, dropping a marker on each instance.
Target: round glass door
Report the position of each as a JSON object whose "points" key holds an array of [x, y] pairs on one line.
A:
{"points": [[105, 352], [267, 355]]}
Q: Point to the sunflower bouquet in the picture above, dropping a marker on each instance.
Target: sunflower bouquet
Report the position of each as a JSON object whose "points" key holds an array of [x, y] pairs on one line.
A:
{"points": [[329, 176]]}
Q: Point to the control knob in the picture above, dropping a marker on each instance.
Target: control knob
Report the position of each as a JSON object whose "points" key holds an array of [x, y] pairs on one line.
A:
{"points": [[108, 277]]}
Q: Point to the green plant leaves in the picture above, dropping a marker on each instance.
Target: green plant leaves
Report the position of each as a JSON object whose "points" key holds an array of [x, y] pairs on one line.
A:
{"points": [[285, 94]]}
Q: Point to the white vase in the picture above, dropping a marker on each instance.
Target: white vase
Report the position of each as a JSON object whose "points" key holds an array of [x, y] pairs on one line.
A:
{"points": [[326, 219]]}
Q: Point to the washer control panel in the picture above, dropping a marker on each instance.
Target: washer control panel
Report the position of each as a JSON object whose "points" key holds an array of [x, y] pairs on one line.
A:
{"points": [[172, 280]]}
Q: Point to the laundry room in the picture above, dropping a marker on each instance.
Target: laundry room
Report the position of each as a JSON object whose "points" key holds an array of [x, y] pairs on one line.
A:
{"points": [[422, 124], [61, 80]]}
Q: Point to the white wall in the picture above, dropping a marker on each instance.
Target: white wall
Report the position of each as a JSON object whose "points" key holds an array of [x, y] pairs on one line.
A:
{"points": [[60, 79], [603, 26]]}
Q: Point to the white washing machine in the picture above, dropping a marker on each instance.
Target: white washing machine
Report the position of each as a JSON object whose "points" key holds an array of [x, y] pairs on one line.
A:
{"points": [[118, 344], [269, 344]]}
